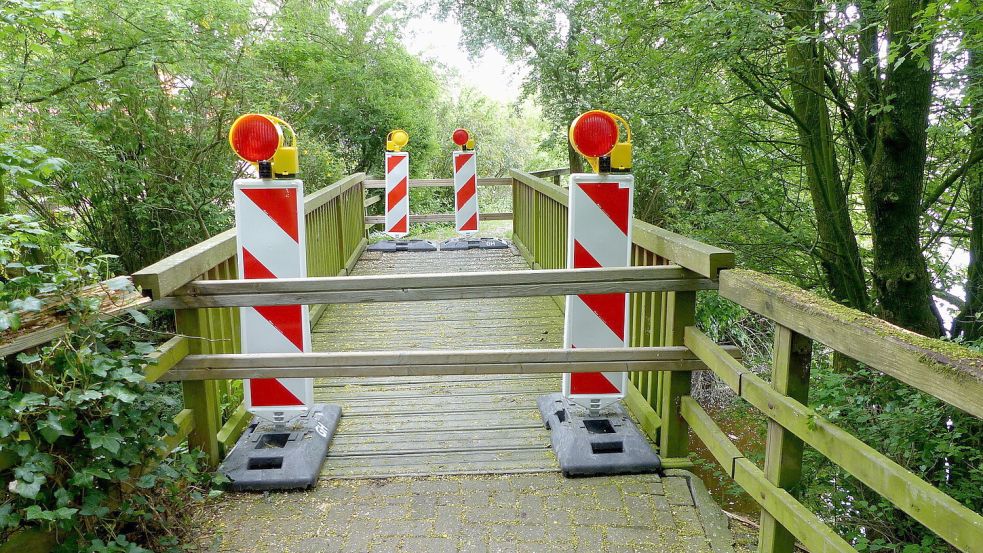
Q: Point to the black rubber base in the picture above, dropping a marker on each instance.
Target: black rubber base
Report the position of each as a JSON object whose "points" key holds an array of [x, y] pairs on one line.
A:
{"points": [[403, 246], [459, 244], [265, 458], [596, 446]]}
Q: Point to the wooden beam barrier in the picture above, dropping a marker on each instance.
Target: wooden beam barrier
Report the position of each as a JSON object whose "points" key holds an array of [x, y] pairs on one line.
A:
{"points": [[427, 363], [940, 513], [423, 183], [437, 218], [440, 286], [947, 371]]}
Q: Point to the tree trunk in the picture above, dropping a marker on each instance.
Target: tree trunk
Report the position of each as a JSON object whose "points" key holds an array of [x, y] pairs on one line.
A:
{"points": [[895, 181], [837, 248], [576, 161], [970, 321]]}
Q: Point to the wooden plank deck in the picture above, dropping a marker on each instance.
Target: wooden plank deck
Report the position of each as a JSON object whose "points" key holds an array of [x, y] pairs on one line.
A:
{"points": [[427, 426]]}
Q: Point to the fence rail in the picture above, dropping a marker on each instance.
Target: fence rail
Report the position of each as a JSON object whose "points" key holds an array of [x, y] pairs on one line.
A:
{"points": [[426, 287], [436, 362], [946, 371]]}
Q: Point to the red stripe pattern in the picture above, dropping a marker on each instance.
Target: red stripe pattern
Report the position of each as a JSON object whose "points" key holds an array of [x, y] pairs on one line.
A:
{"points": [[600, 215], [270, 237], [397, 194], [465, 192]]}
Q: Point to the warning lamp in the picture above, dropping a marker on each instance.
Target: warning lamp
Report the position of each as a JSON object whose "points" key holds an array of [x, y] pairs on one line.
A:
{"points": [[396, 140], [259, 139], [595, 135], [462, 138]]}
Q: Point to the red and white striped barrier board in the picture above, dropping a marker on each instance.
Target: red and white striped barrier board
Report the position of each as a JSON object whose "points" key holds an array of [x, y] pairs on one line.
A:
{"points": [[599, 236], [397, 194], [465, 192], [271, 244]]}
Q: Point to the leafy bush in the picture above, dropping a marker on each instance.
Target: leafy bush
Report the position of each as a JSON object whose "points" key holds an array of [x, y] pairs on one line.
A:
{"points": [[79, 424]]}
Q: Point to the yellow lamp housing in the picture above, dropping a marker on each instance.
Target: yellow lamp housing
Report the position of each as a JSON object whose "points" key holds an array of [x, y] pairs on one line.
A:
{"points": [[396, 140], [596, 135], [256, 138]]}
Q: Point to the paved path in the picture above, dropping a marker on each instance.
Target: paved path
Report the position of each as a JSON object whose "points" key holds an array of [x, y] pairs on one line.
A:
{"points": [[535, 513], [431, 464]]}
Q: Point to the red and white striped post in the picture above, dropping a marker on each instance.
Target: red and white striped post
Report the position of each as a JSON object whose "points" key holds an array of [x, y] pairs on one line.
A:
{"points": [[600, 215], [465, 192], [397, 194], [271, 244]]}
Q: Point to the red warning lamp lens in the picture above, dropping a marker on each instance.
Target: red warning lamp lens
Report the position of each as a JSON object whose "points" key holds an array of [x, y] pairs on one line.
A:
{"points": [[461, 137], [595, 133], [255, 138]]}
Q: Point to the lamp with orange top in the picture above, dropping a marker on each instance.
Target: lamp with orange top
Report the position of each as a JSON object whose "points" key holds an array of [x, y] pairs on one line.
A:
{"points": [[596, 135], [260, 139]]}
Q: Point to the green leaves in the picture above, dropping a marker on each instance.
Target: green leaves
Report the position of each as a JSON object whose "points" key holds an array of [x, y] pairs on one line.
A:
{"points": [[110, 441]]}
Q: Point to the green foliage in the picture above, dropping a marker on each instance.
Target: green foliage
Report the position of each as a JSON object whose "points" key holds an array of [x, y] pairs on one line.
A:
{"points": [[933, 440], [78, 421]]}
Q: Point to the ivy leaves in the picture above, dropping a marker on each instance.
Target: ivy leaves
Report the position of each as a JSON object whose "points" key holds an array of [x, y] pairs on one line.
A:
{"points": [[78, 420]]}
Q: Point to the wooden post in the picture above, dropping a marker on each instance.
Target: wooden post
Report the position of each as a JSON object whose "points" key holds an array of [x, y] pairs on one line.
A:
{"points": [[201, 397], [783, 452], [674, 438], [534, 248]]}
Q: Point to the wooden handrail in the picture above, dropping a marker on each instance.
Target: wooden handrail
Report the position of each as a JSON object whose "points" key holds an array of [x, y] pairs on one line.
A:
{"points": [[441, 286], [928, 505], [420, 363], [172, 272], [947, 371], [426, 183], [547, 173], [702, 258], [438, 218]]}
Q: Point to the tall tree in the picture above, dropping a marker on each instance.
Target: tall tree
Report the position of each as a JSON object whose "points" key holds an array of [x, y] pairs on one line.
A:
{"points": [[895, 178], [837, 246]]}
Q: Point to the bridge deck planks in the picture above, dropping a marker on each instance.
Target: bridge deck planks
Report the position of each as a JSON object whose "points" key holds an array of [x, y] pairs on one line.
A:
{"points": [[415, 426]]}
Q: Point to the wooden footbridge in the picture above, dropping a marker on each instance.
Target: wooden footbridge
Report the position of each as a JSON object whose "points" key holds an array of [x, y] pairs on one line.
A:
{"points": [[437, 358]]}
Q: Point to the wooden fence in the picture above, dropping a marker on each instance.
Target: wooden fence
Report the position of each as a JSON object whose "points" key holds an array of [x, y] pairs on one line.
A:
{"points": [[336, 236], [199, 283], [660, 399]]}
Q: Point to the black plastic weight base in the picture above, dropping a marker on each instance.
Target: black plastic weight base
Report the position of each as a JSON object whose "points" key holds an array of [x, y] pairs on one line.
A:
{"points": [[265, 458], [387, 246], [607, 444], [461, 244]]}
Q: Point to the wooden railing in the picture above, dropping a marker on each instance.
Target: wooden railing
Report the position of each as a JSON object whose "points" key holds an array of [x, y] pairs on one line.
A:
{"points": [[416, 218], [661, 401], [946, 371], [336, 237], [199, 283], [657, 317]]}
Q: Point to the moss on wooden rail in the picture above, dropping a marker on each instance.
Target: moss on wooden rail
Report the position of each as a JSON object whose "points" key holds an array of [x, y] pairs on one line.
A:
{"points": [[946, 370], [928, 505]]}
